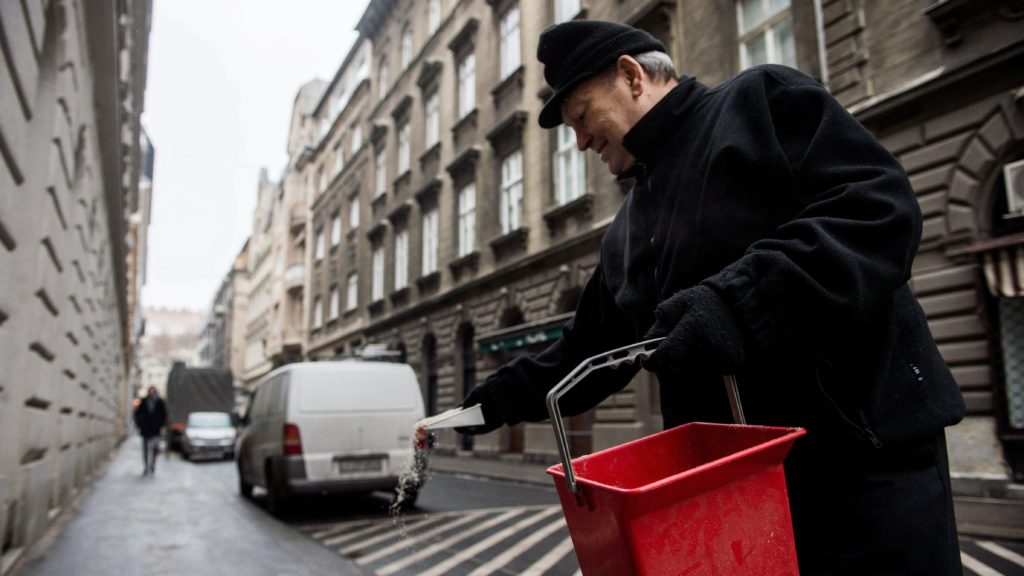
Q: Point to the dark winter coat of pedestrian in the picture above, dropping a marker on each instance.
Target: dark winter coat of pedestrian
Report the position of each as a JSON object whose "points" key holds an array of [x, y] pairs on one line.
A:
{"points": [[150, 417], [767, 235]]}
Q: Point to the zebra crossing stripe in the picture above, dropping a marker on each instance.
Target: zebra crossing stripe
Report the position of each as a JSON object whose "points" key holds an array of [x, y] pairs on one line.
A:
{"points": [[467, 553], [548, 560], [412, 541], [443, 544], [334, 541], [387, 535], [977, 566], [324, 532], [520, 547], [1004, 553]]}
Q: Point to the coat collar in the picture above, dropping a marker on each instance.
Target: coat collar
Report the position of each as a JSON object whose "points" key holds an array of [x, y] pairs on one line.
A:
{"points": [[647, 138]]}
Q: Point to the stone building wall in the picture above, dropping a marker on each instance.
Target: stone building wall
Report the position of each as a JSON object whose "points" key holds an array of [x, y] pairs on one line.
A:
{"points": [[67, 100]]}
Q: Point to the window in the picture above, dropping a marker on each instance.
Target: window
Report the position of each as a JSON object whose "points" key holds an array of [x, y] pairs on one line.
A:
{"points": [[362, 71], [430, 233], [352, 293], [323, 127], [570, 169], [566, 10], [321, 181], [377, 280], [433, 121], [353, 212], [406, 46], [467, 219], [404, 152], [510, 45], [467, 84], [318, 313], [766, 33], [357, 137], [433, 16], [342, 100], [382, 179], [336, 229], [383, 81], [319, 245], [401, 259], [335, 303], [339, 159], [511, 201]]}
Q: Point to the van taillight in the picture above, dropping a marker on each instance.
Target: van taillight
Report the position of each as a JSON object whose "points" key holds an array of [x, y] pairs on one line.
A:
{"points": [[292, 440]]}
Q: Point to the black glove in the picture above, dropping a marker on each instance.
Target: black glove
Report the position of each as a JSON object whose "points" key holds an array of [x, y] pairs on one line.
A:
{"points": [[493, 417], [701, 334]]}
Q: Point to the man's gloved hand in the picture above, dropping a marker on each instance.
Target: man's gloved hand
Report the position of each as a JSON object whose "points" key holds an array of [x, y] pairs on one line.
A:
{"points": [[701, 334], [493, 417]]}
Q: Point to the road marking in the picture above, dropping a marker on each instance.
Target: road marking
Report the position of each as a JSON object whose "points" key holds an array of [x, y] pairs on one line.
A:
{"points": [[325, 532], [548, 560], [411, 541], [977, 566], [431, 550], [520, 547], [1003, 553], [331, 542], [389, 534], [466, 554]]}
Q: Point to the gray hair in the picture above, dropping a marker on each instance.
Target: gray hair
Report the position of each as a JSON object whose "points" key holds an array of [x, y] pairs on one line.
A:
{"points": [[657, 65]]}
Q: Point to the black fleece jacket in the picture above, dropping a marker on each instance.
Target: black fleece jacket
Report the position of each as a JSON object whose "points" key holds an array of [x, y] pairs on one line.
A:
{"points": [[766, 190]]}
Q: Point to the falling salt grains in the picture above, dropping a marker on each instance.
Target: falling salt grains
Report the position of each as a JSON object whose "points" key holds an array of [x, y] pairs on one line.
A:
{"points": [[410, 481]]}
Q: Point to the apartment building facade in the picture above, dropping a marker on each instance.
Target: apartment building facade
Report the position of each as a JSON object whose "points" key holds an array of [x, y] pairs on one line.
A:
{"points": [[221, 344], [74, 76], [445, 223]]}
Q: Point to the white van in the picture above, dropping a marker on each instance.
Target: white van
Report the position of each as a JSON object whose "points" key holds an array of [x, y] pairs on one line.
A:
{"points": [[329, 427]]}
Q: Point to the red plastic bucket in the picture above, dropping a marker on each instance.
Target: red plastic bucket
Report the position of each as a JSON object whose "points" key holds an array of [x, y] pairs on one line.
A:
{"points": [[699, 499]]}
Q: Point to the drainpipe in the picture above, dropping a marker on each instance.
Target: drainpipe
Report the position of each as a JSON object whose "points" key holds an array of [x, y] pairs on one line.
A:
{"points": [[819, 21]]}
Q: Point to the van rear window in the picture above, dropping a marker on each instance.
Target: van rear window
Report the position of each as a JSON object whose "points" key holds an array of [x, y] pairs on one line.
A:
{"points": [[358, 391]]}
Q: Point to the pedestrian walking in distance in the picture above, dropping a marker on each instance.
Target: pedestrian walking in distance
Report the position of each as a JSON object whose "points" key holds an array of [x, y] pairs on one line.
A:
{"points": [[768, 235], [150, 417]]}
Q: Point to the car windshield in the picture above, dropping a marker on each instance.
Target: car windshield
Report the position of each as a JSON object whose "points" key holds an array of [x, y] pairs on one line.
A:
{"points": [[209, 420]]}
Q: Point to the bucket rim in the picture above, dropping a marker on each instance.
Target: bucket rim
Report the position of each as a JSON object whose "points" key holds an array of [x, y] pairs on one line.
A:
{"points": [[790, 436]]}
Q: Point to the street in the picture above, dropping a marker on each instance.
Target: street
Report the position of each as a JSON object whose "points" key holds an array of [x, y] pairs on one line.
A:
{"points": [[460, 525], [189, 518]]}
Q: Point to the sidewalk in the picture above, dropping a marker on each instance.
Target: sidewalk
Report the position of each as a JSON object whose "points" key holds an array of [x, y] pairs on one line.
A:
{"points": [[180, 521], [985, 509], [508, 468]]}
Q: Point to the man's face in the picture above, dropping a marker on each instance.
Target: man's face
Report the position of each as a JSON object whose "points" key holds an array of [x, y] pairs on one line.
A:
{"points": [[152, 391], [600, 111]]}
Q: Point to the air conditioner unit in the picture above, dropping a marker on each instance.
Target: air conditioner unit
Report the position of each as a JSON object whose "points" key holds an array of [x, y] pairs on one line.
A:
{"points": [[1014, 175]]}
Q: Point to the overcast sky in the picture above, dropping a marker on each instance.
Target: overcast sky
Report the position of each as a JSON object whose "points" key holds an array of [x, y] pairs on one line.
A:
{"points": [[223, 75]]}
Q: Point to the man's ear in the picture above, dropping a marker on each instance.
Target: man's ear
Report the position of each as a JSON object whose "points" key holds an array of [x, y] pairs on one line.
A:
{"points": [[633, 73]]}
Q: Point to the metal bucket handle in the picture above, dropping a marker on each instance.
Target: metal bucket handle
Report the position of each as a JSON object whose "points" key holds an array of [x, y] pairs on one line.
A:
{"points": [[613, 359]]}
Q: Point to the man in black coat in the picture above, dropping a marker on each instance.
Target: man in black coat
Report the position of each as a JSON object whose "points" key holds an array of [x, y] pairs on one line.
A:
{"points": [[150, 416], [767, 235]]}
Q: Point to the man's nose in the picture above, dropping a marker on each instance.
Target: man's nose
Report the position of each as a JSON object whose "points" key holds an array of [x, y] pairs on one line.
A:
{"points": [[582, 139]]}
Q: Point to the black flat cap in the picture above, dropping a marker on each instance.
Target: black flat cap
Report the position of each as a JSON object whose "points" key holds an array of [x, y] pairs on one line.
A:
{"points": [[577, 50]]}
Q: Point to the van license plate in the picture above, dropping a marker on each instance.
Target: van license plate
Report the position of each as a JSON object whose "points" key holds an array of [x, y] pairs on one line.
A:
{"points": [[360, 465]]}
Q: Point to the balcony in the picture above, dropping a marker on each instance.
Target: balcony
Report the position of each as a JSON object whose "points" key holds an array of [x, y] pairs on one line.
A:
{"points": [[294, 277], [297, 219]]}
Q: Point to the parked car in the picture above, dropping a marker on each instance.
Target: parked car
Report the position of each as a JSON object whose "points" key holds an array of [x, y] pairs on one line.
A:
{"points": [[330, 427], [209, 435]]}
